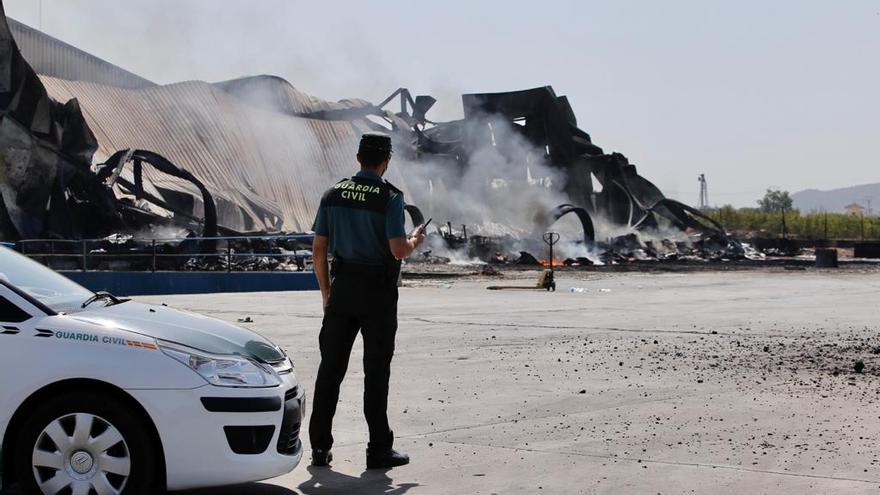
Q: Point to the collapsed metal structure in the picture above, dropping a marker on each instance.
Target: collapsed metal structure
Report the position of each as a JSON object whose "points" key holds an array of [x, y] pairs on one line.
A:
{"points": [[254, 154], [548, 122], [599, 184]]}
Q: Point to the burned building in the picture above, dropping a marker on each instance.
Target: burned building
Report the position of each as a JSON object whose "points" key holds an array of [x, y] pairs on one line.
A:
{"points": [[89, 149]]}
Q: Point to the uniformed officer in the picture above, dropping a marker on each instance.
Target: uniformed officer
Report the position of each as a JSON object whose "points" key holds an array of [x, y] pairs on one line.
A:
{"points": [[361, 223]]}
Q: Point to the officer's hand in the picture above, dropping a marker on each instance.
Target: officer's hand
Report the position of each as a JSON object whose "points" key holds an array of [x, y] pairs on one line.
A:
{"points": [[419, 236], [326, 298]]}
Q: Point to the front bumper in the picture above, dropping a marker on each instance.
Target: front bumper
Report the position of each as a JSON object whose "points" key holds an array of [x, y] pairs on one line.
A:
{"points": [[219, 436]]}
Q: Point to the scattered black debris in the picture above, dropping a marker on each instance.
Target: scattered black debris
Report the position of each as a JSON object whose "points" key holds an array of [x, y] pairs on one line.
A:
{"points": [[527, 259], [124, 252], [429, 258], [489, 271]]}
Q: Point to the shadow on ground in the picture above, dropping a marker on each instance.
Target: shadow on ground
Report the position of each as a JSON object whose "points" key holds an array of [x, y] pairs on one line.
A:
{"points": [[247, 489], [324, 481]]}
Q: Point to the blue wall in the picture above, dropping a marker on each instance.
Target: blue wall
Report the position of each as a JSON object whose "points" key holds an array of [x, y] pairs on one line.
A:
{"points": [[162, 283]]}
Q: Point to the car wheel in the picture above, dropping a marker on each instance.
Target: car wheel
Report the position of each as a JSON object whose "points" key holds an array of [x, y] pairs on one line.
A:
{"points": [[83, 444]]}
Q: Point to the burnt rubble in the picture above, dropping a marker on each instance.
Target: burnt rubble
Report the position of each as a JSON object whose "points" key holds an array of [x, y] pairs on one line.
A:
{"points": [[46, 150], [623, 249], [277, 252]]}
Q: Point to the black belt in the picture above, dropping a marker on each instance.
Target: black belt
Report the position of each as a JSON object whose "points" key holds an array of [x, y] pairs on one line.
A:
{"points": [[358, 269], [388, 274]]}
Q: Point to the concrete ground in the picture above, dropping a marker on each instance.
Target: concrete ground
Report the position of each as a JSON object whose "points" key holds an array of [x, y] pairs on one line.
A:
{"points": [[734, 382]]}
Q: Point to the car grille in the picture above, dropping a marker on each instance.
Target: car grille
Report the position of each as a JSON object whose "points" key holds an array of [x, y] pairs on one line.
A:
{"points": [[288, 438]]}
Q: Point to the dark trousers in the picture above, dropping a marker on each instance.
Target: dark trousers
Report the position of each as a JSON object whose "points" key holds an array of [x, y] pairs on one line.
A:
{"points": [[365, 300]]}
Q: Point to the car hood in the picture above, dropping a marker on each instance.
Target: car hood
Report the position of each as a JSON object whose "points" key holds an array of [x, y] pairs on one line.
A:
{"points": [[190, 329]]}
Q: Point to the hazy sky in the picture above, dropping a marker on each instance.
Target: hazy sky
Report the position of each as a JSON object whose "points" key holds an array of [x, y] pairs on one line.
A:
{"points": [[753, 93]]}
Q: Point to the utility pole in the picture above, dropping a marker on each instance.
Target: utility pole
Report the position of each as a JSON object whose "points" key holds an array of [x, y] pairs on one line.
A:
{"points": [[784, 233], [704, 192], [826, 225]]}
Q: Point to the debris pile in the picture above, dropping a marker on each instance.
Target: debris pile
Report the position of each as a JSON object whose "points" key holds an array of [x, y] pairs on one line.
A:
{"points": [[127, 253]]}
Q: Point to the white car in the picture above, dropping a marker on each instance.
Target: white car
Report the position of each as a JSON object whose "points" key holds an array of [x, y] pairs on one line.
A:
{"points": [[101, 395]]}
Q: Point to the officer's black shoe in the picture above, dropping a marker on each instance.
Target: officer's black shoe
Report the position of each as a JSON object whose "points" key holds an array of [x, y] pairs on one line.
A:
{"points": [[321, 458], [386, 459]]}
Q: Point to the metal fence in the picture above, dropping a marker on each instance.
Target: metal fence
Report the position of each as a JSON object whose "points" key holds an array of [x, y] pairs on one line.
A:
{"points": [[218, 253]]}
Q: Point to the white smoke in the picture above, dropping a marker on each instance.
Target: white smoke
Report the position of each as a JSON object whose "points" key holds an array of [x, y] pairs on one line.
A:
{"points": [[506, 188]]}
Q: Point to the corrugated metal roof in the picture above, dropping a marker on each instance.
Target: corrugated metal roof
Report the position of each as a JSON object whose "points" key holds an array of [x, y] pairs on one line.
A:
{"points": [[53, 57], [277, 93], [265, 163]]}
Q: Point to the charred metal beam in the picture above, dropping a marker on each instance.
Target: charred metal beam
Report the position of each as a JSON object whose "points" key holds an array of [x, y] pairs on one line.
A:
{"points": [[415, 214], [160, 163], [686, 216], [583, 216]]}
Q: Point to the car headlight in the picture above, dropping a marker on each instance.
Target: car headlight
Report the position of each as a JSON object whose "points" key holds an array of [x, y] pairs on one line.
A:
{"points": [[223, 371]]}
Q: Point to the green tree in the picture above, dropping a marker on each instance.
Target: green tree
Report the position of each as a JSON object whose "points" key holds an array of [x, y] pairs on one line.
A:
{"points": [[775, 200]]}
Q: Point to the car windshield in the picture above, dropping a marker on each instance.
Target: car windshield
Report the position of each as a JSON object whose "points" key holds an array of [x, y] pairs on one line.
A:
{"points": [[48, 286]]}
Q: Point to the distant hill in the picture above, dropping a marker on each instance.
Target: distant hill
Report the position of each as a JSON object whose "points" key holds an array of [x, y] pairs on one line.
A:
{"points": [[836, 200]]}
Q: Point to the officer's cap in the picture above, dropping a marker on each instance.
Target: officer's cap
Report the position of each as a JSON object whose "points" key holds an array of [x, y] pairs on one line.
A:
{"points": [[375, 141]]}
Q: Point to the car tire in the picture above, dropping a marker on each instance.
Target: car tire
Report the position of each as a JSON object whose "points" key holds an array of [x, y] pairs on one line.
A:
{"points": [[88, 442]]}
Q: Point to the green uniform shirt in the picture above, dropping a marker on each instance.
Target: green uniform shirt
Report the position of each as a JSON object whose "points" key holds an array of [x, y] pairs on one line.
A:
{"points": [[359, 216]]}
